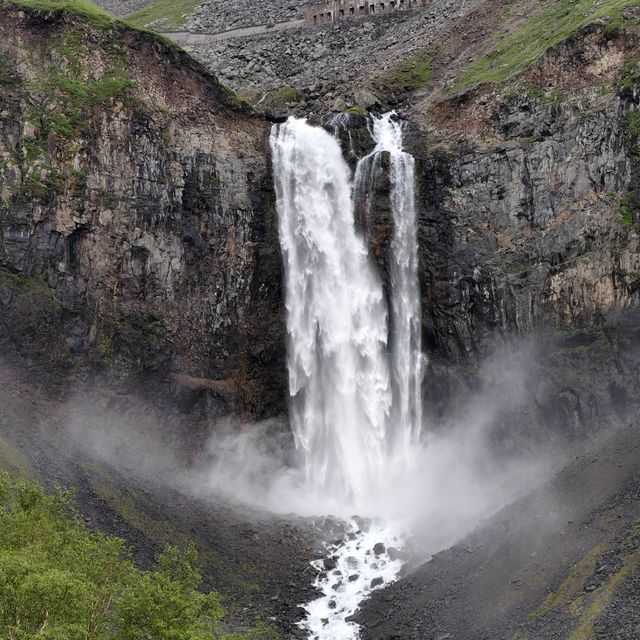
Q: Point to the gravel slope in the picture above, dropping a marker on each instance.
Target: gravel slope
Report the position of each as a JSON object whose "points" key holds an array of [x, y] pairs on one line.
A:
{"points": [[562, 563]]}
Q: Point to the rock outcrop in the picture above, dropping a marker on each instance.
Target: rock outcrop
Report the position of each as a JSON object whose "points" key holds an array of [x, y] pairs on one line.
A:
{"points": [[139, 235], [529, 229], [526, 198]]}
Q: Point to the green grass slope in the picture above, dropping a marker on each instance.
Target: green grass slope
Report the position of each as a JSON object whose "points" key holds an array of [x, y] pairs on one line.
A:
{"points": [[163, 15], [521, 48]]}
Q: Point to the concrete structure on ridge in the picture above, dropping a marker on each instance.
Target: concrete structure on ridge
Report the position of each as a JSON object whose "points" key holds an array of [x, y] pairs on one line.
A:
{"points": [[328, 12]]}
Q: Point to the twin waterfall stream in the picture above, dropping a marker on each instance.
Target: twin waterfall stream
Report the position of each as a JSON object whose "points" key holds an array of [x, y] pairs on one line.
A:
{"points": [[354, 353]]}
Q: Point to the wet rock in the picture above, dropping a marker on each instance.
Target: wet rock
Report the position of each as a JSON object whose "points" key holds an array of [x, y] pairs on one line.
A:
{"points": [[339, 105], [353, 577], [365, 99], [394, 554], [379, 548], [376, 582], [148, 208]]}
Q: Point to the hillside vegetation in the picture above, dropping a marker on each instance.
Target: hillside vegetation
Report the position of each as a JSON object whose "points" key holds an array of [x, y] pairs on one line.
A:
{"points": [[163, 15], [60, 581], [521, 48], [93, 14]]}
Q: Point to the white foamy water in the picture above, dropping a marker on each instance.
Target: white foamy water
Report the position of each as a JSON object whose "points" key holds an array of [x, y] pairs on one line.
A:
{"points": [[405, 343], [366, 560], [336, 317], [353, 358]]}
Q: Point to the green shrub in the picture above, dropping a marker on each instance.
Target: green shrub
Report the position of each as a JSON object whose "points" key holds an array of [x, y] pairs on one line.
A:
{"points": [[59, 581], [626, 213], [633, 122], [629, 75]]}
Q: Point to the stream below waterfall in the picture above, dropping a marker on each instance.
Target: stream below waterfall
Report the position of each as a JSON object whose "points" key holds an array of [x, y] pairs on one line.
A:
{"points": [[353, 353], [367, 558]]}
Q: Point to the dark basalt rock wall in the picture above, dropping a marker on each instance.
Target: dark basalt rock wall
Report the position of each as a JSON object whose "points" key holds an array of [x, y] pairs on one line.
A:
{"points": [[139, 237], [529, 229]]}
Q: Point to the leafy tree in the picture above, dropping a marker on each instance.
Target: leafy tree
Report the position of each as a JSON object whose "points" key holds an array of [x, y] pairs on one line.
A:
{"points": [[58, 581]]}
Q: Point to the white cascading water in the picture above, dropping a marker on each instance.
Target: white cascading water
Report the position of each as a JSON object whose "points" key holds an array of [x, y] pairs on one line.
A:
{"points": [[405, 343], [354, 368], [336, 317]]}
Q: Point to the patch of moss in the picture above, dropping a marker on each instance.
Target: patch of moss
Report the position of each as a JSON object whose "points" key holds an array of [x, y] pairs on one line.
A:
{"points": [[283, 95], [518, 50], [12, 461], [632, 123], [627, 219], [601, 597], [67, 98], [126, 505], [356, 110], [163, 15], [410, 75], [13, 280], [572, 584], [629, 76], [233, 99]]}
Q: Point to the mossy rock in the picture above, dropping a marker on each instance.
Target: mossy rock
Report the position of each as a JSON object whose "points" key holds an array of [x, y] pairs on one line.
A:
{"points": [[278, 102]]}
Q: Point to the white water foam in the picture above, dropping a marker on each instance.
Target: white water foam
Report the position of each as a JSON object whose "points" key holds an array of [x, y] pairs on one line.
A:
{"points": [[354, 376], [367, 559]]}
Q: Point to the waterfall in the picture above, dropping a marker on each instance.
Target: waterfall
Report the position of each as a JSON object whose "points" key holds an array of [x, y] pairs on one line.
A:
{"points": [[336, 317], [405, 337], [354, 368]]}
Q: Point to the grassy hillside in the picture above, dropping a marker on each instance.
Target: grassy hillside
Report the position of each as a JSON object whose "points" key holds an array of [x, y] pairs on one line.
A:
{"points": [[163, 15], [516, 51], [93, 14]]}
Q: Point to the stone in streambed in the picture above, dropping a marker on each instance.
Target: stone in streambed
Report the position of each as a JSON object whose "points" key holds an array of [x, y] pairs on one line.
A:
{"points": [[376, 582], [393, 553]]}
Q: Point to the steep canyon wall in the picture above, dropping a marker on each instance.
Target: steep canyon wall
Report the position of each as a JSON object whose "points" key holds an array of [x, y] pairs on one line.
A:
{"points": [[138, 227]]}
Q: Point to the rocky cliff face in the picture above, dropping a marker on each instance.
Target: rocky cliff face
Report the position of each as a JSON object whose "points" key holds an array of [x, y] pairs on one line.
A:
{"points": [[138, 227], [529, 223]]}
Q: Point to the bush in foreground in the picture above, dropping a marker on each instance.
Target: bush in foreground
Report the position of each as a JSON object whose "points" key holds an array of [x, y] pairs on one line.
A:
{"points": [[58, 581]]}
